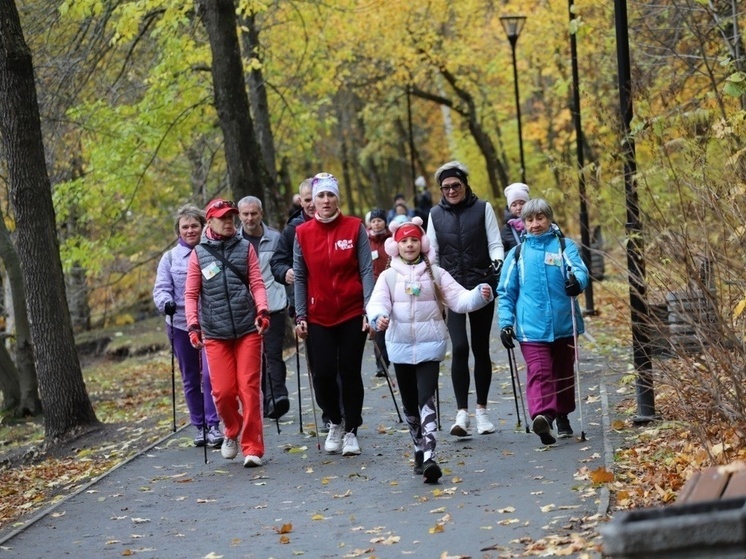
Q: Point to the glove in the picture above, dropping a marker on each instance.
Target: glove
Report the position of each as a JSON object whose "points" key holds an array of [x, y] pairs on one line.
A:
{"points": [[506, 337], [497, 265], [195, 337], [572, 286], [262, 322], [169, 308]]}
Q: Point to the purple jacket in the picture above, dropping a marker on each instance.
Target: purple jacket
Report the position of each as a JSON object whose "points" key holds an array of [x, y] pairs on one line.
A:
{"points": [[170, 281]]}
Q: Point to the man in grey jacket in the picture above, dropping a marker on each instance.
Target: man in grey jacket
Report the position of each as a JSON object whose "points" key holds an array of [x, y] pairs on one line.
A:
{"points": [[264, 239]]}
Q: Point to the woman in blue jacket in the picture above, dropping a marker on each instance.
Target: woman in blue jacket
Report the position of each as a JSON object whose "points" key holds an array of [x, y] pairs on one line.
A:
{"points": [[540, 281]]}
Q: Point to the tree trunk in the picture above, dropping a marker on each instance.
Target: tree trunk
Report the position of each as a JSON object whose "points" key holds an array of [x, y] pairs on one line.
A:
{"points": [[67, 407], [247, 174], [28, 386], [9, 385], [273, 206]]}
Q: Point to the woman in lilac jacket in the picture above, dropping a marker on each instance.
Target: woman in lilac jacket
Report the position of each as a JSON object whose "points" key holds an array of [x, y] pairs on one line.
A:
{"points": [[408, 302], [168, 295]]}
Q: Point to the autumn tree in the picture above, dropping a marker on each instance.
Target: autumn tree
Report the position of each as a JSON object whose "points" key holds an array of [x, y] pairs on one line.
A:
{"points": [[67, 407]]}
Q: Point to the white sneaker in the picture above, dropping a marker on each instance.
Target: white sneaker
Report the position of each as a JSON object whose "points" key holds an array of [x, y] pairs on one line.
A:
{"points": [[229, 448], [461, 427], [351, 446], [333, 443], [484, 425], [252, 461]]}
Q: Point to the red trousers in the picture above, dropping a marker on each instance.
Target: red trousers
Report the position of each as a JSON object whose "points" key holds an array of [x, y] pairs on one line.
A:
{"points": [[235, 375], [550, 377]]}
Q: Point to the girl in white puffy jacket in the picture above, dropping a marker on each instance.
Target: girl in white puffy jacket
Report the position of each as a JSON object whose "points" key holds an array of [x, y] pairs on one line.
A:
{"points": [[408, 303]]}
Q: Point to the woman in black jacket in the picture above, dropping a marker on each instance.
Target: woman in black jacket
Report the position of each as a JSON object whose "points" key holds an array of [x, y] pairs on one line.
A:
{"points": [[465, 235]]}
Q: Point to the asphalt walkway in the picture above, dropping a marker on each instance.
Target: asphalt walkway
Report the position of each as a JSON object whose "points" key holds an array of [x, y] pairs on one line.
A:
{"points": [[499, 493]]}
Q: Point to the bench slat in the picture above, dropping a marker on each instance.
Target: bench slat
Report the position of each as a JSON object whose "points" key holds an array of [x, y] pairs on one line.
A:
{"points": [[708, 487], [736, 485]]}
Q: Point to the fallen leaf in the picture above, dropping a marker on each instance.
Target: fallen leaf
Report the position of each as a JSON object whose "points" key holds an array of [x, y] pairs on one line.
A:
{"points": [[284, 539], [437, 529], [506, 510], [284, 529], [601, 475]]}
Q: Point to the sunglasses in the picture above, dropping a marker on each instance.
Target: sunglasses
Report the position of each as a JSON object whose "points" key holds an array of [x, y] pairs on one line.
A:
{"points": [[456, 186], [223, 204]]}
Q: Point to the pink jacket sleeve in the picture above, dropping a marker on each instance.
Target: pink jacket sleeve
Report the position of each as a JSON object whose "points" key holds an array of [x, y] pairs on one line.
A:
{"points": [[258, 291], [192, 290]]}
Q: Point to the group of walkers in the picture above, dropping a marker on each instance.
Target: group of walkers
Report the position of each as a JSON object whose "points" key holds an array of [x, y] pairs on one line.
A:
{"points": [[406, 286]]}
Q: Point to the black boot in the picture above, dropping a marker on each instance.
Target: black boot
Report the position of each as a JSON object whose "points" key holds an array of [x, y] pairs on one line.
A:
{"points": [[431, 471], [418, 459]]}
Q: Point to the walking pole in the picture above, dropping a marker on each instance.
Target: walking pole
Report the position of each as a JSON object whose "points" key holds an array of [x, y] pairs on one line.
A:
{"points": [[173, 374], [513, 374], [511, 356], [268, 380], [379, 354], [313, 401], [297, 371], [202, 399], [577, 367], [437, 401]]}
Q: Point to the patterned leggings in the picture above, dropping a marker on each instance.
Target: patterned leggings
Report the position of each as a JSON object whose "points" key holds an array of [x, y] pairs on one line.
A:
{"points": [[417, 388]]}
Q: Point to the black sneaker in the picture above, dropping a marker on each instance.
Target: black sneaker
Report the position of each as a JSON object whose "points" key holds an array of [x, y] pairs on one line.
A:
{"points": [[418, 458], [564, 431], [543, 427], [431, 471], [380, 373], [282, 405]]}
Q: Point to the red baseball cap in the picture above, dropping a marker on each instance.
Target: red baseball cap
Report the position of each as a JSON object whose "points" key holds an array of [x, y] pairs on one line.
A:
{"points": [[220, 208]]}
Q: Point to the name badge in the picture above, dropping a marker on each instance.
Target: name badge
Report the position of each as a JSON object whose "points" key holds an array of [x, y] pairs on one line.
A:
{"points": [[374, 254], [553, 259], [211, 270]]}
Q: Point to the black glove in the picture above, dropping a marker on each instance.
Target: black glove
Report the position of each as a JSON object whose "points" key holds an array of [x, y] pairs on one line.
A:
{"points": [[572, 286], [169, 308], [506, 337], [497, 265]]}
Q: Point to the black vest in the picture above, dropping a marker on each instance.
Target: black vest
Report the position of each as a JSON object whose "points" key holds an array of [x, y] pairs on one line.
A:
{"points": [[462, 241]]}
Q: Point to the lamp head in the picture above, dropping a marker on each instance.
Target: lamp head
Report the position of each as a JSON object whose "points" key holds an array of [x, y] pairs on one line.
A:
{"points": [[513, 26]]}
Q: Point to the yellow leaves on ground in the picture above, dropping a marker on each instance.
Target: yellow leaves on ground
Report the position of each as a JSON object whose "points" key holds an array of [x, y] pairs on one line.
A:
{"points": [[601, 475]]}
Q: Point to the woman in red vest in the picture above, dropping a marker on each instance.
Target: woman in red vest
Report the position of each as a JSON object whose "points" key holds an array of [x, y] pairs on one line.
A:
{"points": [[333, 282]]}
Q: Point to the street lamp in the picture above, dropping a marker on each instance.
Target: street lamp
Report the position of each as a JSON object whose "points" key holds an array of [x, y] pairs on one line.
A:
{"points": [[513, 26]]}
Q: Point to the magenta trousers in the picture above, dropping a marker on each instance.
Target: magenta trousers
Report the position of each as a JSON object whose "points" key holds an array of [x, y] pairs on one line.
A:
{"points": [[550, 385]]}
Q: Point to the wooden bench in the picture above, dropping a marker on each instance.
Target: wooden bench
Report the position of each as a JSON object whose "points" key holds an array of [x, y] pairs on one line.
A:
{"points": [[715, 484]]}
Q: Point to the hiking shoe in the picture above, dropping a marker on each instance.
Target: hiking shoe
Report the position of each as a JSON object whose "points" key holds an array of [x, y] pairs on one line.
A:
{"points": [[460, 428], [380, 373], [252, 461], [564, 431], [431, 471], [281, 407], [484, 425], [543, 427], [333, 443], [418, 459], [351, 446], [214, 436], [199, 437], [229, 448]]}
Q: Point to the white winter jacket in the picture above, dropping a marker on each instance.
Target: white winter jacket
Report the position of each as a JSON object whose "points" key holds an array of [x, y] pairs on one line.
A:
{"points": [[417, 331]]}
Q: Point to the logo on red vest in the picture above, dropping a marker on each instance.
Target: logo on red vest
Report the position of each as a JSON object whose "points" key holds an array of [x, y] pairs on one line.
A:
{"points": [[344, 244]]}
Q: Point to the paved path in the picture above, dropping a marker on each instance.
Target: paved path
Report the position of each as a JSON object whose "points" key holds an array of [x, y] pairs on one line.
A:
{"points": [[498, 491]]}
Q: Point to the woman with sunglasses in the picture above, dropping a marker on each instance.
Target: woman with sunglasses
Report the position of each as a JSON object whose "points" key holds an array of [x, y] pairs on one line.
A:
{"points": [[465, 235], [333, 283], [224, 279]]}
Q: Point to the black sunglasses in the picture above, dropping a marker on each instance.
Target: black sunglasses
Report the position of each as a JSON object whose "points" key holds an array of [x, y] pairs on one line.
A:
{"points": [[223, 204], [455, 187]]}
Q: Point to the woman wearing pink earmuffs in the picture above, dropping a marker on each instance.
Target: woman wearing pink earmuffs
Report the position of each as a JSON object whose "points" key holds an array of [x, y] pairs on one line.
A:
{"points": [[408, 303]]}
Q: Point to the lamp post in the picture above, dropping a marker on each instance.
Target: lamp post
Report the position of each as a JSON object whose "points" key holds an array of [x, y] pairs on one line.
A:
{"points": [[585, 237], [513, 26]]}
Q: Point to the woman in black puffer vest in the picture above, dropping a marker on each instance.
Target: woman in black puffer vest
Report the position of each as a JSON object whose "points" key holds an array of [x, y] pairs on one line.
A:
{"points": [[465, 234]]}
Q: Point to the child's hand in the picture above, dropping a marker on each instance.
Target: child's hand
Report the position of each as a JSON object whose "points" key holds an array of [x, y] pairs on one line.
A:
{"points": [[382, 323], [486, 291]]}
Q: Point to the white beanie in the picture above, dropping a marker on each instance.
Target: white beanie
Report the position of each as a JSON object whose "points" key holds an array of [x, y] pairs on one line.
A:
{"points": [[325, 182], [516, 191]]}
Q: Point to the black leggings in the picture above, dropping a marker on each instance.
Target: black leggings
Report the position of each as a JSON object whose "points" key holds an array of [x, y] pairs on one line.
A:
{"points": [[481, 324], [338, 352]]}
